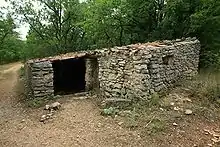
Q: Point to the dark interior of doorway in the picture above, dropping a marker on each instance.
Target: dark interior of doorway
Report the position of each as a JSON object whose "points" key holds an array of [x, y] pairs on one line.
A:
{"points": [[69, 76]]}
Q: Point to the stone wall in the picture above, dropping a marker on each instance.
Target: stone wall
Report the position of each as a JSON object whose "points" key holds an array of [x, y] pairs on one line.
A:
{"points": [[91, 75], [39, 79], [140, 70], [133, 71]]}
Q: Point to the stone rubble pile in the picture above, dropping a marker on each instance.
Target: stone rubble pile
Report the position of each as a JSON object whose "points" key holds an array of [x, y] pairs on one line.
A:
{"points": [[51, 108]]}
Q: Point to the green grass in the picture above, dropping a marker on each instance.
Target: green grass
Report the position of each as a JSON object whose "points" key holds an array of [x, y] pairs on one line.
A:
{"points": [[205, 87]]}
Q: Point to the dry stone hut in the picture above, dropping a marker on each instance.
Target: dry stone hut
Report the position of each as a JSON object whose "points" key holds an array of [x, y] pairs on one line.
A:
{"points": [[121, 72]]}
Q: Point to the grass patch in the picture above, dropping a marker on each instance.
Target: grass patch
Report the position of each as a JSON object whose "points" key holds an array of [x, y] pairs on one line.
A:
{"points": [[156, 126], [36, 103], [132, 119], [145, 116], [161, 110], [39, 102], [158, 113], [205, 87], [111, 111]]}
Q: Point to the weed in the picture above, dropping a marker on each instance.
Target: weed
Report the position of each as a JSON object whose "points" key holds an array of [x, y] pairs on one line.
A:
{"points": [[209, 113], [206, 87], [21, 72], [35, 103], [154, 100], [39, 102], [156, 126], [132, 119], [111, 111]]}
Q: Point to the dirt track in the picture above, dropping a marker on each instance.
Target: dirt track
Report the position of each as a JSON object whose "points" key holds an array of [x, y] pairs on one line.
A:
{"points": [[77, 124], [8, 78]]}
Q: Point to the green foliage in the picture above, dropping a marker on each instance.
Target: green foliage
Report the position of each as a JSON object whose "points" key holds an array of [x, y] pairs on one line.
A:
{"points": [[64, 26], [54, 28], [111, 111], [115, 22], [205, 24], [156, 126], [35, 103], [10, 44], [154, 100], [132, 119]]}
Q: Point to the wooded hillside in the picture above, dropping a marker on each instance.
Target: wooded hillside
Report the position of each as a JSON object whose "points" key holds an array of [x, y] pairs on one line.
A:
{"points": [[61, 26]]}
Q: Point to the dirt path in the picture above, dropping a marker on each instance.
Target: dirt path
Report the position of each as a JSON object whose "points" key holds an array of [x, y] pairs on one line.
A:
{"points": [[79, 123], [8, 78]]}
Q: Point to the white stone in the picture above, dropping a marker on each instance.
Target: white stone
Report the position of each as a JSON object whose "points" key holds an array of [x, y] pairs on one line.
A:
{"points": [[175, 124], [120, 123], [188, 112], [172, 104], [55, 105], [47, 107]]}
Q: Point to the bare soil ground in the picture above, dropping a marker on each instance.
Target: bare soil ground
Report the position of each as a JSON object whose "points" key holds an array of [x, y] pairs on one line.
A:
{"points": [[79, 123]]}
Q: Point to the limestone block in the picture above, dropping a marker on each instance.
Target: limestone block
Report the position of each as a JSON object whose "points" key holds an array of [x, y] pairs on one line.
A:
{"points": [[42, 65]]}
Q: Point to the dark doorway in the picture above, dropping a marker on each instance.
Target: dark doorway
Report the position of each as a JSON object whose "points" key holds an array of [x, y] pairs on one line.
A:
{"points": [[69, 76]]}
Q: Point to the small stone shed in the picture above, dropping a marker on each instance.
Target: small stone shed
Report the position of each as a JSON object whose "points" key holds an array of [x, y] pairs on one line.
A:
{"points": [[120, 72]]}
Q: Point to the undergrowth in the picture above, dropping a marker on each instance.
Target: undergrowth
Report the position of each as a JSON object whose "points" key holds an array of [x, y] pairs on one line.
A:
{"points": [[140, 114], [205, 87]]}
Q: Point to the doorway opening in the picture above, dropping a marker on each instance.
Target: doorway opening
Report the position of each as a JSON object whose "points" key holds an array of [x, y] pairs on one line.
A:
{"points": [[69, 76]]}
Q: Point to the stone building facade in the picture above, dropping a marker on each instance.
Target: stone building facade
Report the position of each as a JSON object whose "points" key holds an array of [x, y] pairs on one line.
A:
{"points": [[122, 72]]}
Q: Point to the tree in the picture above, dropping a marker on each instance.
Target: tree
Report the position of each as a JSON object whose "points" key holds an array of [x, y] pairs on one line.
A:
{"points": [[6, 28], [120, 22], [176, 21], [54, 22], [205, 24], [10, 43], [144, 17], [104, 23], [60, 26]]}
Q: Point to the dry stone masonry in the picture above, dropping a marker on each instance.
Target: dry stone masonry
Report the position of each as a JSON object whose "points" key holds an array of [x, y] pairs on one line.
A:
{"points": [[133, 71], [39, 77]]}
